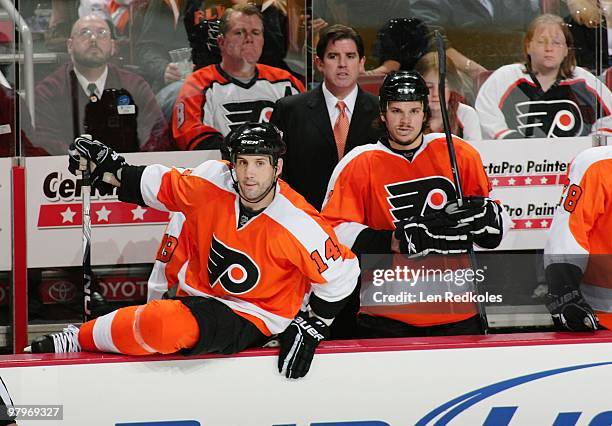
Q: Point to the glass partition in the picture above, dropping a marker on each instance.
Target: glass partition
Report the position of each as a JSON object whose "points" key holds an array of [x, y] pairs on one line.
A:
{"points": [[137, 54], [133, 109], [9, 145], [529, 71]]}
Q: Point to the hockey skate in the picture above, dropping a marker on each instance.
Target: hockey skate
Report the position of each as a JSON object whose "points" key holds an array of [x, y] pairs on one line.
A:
{"points": [[63, 341]]}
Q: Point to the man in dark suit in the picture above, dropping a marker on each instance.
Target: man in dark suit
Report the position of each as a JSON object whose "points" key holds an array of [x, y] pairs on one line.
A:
{"points": [[322, 125]]}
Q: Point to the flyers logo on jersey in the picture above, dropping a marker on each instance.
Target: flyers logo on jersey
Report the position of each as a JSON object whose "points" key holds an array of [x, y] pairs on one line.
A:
{"points": [[252, 111], [235, 271], [419, 197], [549, 119]]}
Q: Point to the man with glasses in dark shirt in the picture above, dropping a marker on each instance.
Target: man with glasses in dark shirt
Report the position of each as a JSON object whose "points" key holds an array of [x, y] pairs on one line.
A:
{"points": [[67, 91]]}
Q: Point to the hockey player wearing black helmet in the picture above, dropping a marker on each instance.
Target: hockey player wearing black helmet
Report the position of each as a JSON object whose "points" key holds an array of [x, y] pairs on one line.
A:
{"points": [[398, 196], [254, 151], [254, 249], [404, 109]]}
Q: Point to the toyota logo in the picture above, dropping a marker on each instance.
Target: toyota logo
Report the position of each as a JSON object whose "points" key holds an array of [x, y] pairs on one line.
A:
{"points": [[61, 291]]}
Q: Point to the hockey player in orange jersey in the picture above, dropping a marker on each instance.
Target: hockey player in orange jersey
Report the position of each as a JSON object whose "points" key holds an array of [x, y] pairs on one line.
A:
{"points": [[578, 253], [258, 248], [398, 196]]}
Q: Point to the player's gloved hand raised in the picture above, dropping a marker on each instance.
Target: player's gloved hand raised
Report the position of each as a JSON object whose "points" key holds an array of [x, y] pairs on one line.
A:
{"points": [[419, 236], [483, 215], [104, 162], [571, 312], [298, 343]]}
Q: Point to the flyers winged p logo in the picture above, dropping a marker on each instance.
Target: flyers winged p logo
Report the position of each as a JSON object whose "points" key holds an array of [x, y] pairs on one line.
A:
{"points": [[248, 111], [549, 119], [234, 270], [419, 197]]}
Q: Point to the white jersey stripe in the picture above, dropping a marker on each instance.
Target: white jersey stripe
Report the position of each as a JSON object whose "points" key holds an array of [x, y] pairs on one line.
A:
{"points": [[347, 232], [342, 272], [102, 336], [214, 171]]}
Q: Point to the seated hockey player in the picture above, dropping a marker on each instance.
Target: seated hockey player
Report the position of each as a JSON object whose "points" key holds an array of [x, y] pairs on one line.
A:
{"points": [[398, 196], [578, 252], [258, 249]]}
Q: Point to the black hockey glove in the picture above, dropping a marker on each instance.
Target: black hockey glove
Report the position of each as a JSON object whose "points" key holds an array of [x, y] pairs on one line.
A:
{"points": [[419, 236], [571, 312], [104, 161], [483, 215], [298, 344]]}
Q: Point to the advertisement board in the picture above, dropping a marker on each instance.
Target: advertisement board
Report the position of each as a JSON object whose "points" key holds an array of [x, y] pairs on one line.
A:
{"points": [[500, 385], [122, 233], [527, 176]]}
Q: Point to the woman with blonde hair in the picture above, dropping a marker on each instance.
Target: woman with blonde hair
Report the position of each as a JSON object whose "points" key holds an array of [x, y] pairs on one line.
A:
{"points": [[463, 119], [547, 95]]}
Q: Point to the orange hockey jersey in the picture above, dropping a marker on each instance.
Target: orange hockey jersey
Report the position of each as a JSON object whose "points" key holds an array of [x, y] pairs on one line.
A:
{"points": [[581, 232], [373, 187], [211, 103], [262, 270]]}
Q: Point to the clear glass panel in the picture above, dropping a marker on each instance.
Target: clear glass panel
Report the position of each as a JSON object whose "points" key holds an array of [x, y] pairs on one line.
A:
{"points": [[9, 128], [479, 41], [483, 39], [131, 112]]}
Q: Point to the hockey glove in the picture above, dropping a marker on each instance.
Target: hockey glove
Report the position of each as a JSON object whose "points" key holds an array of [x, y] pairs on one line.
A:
{"points": [[298, 344], [419, 236], [571, 312], [104, 162], [483, 215]]}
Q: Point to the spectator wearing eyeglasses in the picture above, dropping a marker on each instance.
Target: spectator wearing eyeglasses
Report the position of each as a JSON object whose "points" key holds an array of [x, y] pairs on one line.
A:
{"points": [[62, 97], [547, 95]]}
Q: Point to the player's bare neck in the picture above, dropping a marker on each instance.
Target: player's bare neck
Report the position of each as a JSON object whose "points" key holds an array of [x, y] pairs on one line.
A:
{"points": [[414, 145], [260, 205]]}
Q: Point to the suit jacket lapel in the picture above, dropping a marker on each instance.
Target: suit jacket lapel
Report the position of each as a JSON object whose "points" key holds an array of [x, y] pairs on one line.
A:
{"points": [[358, 120], [320, 116]]}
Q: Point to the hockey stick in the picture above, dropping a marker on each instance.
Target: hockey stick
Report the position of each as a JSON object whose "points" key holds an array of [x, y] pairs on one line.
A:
{"points": [[482, 314], [84, 167]]}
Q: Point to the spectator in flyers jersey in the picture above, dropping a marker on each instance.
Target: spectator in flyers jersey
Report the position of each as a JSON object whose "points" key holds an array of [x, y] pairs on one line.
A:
{"points": [[217, 98], [547, 96], [398, 196], [260, 255]]}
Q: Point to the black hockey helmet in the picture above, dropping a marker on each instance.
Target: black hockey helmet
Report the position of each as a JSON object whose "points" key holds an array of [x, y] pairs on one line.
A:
{"points": [[255, 139], [404, 86]]}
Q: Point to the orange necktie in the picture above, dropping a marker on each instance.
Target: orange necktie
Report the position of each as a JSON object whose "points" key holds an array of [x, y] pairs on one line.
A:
{"points": [[341, 129]]}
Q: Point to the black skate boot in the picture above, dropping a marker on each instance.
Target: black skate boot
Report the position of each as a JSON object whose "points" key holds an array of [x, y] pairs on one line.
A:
{"points": [[63, 341]]}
